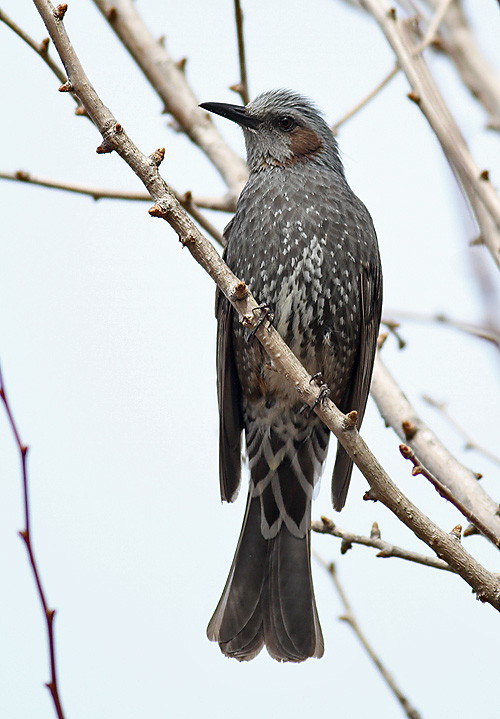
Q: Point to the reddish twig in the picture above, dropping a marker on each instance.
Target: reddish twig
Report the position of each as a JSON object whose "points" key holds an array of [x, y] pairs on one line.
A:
{"points": [[25, 535], [443, 491]]}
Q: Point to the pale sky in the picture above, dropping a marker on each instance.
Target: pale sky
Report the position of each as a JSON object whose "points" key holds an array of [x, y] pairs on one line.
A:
{"points": [[107, 339]]}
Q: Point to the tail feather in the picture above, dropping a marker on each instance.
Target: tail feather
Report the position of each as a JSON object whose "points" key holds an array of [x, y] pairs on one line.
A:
{"points": [[268, 598]]}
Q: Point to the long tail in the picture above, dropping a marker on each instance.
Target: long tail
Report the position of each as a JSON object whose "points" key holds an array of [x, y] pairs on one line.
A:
{"points": [[269, 597]]}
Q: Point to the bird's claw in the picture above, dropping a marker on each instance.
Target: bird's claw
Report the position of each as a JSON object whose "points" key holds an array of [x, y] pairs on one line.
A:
{"points": [[324, 392], [265, 314]]}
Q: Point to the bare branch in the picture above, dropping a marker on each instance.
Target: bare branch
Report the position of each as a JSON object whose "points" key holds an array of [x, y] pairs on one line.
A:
{"points": [[187, 201], [443, 491], [458, 42], [401, 416], [431, 32], [361, 104], [350, 618], [242, 87], [169, 82], [386, 549], [469, 442], [25, 534], [42, 50], [402, 35], [470, 328], [484, 583]]}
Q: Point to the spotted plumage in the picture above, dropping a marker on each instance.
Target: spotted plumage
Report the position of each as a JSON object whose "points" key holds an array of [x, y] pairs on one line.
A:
{"points": [[306, 246]]}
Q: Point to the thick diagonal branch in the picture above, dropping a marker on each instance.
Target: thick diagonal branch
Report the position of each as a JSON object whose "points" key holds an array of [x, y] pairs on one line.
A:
{"points": [[483, 582]]}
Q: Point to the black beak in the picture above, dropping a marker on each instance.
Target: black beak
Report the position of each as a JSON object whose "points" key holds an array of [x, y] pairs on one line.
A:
{"points": [[236, 113]]}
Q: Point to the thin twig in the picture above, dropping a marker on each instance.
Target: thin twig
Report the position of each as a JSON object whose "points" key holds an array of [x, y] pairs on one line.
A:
{"points": [[475, 182], [399, 414], [485, 585], [445, 492], [386, 549], [242, 87], [42, 50], [189, 203], [436, 20], [169, 82], [359, 105], [469, 442], [350, 618], [25, 535], [470, 328]]}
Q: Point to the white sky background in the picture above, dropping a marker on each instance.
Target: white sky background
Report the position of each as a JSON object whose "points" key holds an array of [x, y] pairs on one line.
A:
{"points": [[107, 348]]}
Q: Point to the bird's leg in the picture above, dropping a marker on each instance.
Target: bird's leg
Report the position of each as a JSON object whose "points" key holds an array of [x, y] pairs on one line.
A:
{"points": [[324, 392], [265, 314]]}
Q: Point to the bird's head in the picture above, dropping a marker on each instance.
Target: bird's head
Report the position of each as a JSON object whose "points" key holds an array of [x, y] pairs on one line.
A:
{"points": [[282, 129]]}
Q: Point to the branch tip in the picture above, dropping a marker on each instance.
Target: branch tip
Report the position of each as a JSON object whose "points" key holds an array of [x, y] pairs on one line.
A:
{"points": [[375, 531], [409, 429], [60, 11], [156, 211], [181, 64], [370, 496], [470, 530], [414, 98], [157, 156], [104, 148], [44, 46], [350, 420], [240, 292], [345, 546]]}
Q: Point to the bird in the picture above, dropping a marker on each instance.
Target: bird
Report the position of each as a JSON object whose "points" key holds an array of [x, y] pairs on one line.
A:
{"points": [[306, 247]]}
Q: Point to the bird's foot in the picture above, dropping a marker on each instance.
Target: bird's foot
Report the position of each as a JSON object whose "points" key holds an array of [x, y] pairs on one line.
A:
{"points": [[265, 314], [324, 392]]}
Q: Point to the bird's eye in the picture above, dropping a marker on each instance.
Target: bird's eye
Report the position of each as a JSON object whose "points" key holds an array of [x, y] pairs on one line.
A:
{"points": [[285, 123]]}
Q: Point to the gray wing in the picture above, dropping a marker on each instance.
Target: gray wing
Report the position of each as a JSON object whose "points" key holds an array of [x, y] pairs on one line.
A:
{"points": [[370, 287], [229, 398]]}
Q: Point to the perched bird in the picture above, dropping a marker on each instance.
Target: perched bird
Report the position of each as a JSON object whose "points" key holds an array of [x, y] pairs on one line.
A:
{"points": [[306, 247]]}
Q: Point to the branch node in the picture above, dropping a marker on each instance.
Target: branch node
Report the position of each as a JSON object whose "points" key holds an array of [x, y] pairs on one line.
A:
{"points": [[24, 535], [409, 429], [157, 156], [66, 87], [328, 524], [240, 292], [237, 87], [345, 546], [375, 531], [414, 98], [22, 176], [370, 496], [104, 148], [470, 530], [43, 48], [188, 240], [392, 13], [350, 421], [485, 175], [157, 211], [111, 14], [60, 11]]}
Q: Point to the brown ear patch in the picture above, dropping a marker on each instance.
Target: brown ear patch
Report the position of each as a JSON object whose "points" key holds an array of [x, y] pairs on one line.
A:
{"points": [[304, 142]]}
